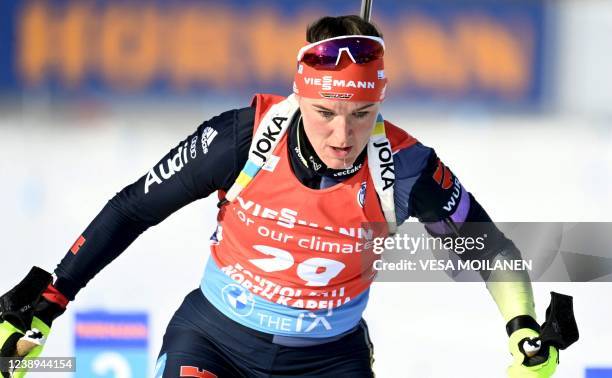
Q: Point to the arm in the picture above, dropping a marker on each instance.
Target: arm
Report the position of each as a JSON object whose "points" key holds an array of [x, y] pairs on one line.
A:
{"points": [[188, 172], [206, 161], [436, 197]]}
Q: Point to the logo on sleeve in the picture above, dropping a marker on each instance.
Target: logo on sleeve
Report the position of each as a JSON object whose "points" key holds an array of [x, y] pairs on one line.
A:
{"points": [[172, 165], [193, 151], [208, 134], [443, 176], [454, 200], [77, 245]]}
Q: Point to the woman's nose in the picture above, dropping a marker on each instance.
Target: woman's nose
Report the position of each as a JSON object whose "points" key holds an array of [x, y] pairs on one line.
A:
{"points": [[342, 130]]}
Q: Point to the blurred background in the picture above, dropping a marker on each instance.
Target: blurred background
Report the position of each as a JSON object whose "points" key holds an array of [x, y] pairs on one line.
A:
{"points": [[515, 96]]}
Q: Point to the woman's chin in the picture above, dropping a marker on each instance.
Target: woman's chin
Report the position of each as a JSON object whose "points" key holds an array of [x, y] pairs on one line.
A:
{"points": [[336, 163]]}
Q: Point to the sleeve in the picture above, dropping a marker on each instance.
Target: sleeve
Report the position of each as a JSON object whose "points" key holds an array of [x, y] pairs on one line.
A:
{"points": [[427, 189], [207, 160]]}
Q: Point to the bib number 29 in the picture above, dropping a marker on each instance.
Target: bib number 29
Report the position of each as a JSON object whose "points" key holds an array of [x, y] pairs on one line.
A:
{"points": [[316, 271]]}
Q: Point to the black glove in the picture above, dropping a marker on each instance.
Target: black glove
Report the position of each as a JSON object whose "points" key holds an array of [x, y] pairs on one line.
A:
{"points": [[26, 314]]}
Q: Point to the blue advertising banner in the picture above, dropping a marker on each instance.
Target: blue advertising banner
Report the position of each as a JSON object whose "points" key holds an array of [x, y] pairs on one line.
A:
{"points": [[489, 52], [111, 344], [598, 373]]}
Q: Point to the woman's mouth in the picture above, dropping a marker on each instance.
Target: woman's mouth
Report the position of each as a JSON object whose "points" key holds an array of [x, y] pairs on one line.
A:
{"points": [[340, 152]]}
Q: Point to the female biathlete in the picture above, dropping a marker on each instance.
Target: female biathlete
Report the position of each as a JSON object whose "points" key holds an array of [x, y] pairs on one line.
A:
{"points": [[298, 177]]}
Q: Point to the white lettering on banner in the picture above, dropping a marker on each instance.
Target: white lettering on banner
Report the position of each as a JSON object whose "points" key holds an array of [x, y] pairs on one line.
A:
{"points": [[285, 295], [305, 322], [387, 173], [312, 81], [316, 243], [352, 84], [285, 217], [327, 83], [243, 217], [313, 243], [317, 320], [264, 144], [273, 234], [280, 323], [288, 218], [280, 260], [173, 165], [308, 270], [453, 200]]}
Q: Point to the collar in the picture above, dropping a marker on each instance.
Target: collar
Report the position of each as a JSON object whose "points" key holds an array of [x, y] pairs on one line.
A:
{"points": [[306, 155]]}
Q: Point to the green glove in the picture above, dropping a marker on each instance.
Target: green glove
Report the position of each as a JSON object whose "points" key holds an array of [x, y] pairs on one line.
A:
{"points": [[529, 360], [26, 314], [535, 349]]}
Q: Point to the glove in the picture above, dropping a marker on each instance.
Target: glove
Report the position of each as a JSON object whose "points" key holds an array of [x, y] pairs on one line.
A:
{"points": [[26, 314], [535, 349], [530, 359]]}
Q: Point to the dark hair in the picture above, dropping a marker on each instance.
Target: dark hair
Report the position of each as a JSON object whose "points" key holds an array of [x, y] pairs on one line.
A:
{"points": [[329, 27]]}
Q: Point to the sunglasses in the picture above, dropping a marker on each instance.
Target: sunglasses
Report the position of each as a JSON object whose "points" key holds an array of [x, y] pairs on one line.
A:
{"points": [[326, 54]]}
